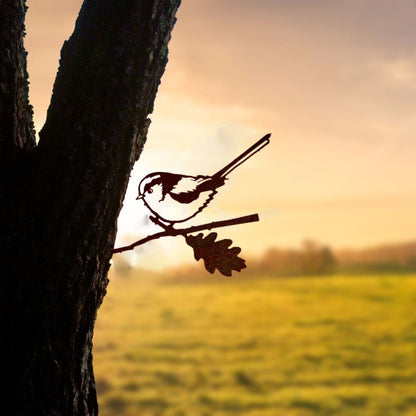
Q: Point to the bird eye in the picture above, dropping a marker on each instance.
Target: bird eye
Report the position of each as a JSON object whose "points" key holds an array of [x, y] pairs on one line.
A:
{"points": [[150, 191]]}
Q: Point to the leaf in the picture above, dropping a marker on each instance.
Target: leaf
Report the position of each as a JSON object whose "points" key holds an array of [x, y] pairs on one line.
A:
{"points": [[216, 254]]}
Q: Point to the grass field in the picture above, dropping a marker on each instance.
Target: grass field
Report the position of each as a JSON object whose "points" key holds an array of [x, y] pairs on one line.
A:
{"points": [[298, 346]]}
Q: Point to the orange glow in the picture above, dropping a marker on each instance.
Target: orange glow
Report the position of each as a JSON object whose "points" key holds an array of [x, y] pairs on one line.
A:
{"points": [[334, 83]]}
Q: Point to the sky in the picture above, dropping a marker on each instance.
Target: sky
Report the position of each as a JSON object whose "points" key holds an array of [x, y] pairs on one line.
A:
{"points": [[334, 81]]}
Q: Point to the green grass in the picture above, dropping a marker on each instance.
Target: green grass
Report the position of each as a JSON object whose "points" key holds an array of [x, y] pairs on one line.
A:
{"points": [[343, 346]]}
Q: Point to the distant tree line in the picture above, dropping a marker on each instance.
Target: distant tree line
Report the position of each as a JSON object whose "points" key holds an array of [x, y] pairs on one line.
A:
{"points": [[316, 259], [387, 257], [311, 259]]}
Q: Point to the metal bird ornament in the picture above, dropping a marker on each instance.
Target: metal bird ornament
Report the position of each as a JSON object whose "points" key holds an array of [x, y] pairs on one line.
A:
{"points": [[176, 198]]}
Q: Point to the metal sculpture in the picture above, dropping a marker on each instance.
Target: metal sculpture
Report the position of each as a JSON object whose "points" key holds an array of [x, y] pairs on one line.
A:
{"points": [[175, 198]]}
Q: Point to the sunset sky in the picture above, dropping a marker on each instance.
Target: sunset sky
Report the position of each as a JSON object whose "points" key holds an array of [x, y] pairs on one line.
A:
{"points": [[334, 81]]}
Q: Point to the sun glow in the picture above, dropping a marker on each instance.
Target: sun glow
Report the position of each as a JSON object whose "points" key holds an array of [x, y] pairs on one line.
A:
{"points": [[336, 92]]}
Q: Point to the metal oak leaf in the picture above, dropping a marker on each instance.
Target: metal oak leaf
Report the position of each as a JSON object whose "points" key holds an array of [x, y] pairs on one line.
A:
{"points": [[216, 254]]}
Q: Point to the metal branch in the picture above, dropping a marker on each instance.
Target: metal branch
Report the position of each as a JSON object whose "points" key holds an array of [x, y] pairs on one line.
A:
{"points": [[173, 232]]}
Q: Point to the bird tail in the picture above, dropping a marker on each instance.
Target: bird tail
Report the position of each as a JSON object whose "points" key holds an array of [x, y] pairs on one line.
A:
{"points": [[251, 151]]}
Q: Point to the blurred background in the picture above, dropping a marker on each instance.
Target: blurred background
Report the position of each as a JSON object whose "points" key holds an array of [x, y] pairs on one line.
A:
{"points": [[333, 81], [322, 321]]}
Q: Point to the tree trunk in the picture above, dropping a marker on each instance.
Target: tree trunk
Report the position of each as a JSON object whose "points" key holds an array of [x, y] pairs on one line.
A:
{"points": [[60, 200]]}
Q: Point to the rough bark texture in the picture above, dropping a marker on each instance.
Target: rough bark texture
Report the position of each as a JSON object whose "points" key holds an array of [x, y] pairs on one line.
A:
{"points": [[16, 126], [60, 200]]}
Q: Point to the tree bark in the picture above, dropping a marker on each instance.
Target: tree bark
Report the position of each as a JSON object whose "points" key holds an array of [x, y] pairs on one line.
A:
{"points": [[60, 200], [16, 126]]}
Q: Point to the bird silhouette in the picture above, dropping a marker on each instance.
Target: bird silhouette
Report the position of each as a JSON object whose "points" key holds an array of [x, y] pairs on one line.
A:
{"points": [[174, 198]]}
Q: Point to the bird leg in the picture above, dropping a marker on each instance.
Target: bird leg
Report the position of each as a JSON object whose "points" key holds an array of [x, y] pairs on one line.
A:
{"points": [[156, 221]]}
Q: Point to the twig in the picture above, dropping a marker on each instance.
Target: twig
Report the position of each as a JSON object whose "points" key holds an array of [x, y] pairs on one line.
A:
{"points": [[172, 232]]}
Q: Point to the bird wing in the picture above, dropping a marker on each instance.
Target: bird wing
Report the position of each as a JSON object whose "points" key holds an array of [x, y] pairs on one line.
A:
{"points": [[186, 189]]}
